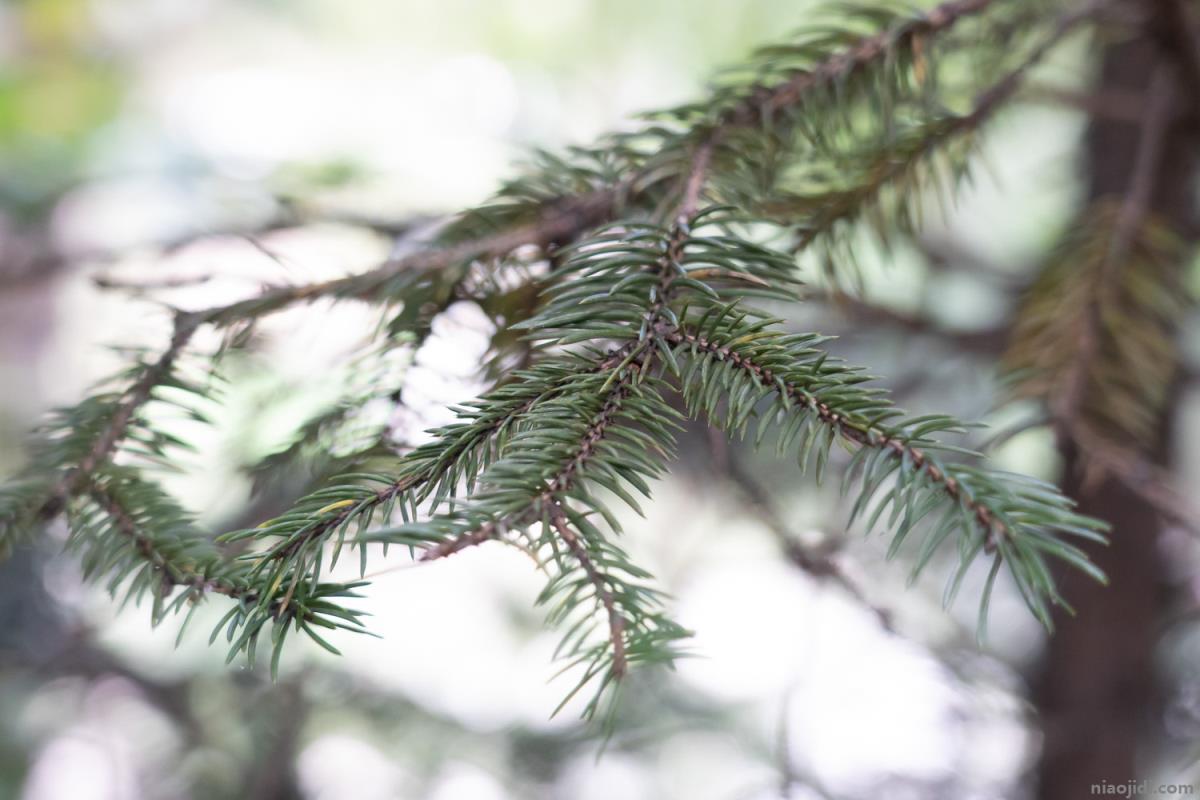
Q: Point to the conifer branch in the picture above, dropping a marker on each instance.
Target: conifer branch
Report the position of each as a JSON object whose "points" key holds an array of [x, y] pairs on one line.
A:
{"points": [[173, 572], [1128, 223], [838, 67], [616, 622], [857, 431], [1016, 520], [110, 437], [643, 284], [628, 361], [562, 218], [1095, 335], [904, 154]]}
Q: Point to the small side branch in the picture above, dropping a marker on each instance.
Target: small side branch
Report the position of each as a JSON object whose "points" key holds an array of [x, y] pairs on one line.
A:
{"points": [[892, 167], [172, 572], [560, 483], [616, 621], [869, 50], [853, 431], [136, 396], [558, 223]]}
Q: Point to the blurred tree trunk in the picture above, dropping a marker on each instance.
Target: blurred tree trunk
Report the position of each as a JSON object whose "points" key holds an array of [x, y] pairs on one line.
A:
{"points": [[1098, 694]]}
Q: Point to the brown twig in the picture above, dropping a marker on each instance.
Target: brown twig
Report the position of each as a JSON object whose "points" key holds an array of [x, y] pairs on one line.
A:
{"points": [[1145, 479], [986, 341], [558, 222], [1111, 104], [616, 621]]}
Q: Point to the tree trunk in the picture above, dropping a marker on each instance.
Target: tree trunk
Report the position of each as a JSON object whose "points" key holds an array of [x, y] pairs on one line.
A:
{"points": [[1098, 694]]}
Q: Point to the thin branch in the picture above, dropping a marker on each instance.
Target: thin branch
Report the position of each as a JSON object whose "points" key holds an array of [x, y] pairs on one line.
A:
{"points": [[887, 169], [853, 431], [616, 621], [136, 396], [697, 178], [767, 102], [1147, 480], [558, 222], [151, 285], [173, 573], [1112, 104], [986, 341], [1146, 162]]}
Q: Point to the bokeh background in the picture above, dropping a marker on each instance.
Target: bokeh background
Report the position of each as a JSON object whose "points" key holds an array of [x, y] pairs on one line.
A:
{"points": [[191, 151]]}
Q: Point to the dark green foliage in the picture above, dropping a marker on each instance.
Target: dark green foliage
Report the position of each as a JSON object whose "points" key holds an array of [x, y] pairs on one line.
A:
{"points": [[742, 372], [620, 278]]}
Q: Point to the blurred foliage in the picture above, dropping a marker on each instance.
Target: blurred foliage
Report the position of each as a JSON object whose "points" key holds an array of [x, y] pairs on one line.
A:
{"points": [[55, 96]]}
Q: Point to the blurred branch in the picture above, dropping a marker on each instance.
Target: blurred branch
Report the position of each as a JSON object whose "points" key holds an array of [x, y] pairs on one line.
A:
{"points": [[149, 284], [1149, 481], [987, 341], [945, 254], [790, 774], [1111, 104], [271, 772], [41, 259]]}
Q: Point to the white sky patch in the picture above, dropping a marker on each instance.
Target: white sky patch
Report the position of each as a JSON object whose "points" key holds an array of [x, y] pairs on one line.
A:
{"points": [[613, 776], [339, 767], [465, 782]]}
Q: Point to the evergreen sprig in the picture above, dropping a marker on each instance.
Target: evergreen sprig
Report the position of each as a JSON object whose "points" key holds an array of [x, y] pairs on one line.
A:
{"points": [[636, 264], [738, 361]]}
